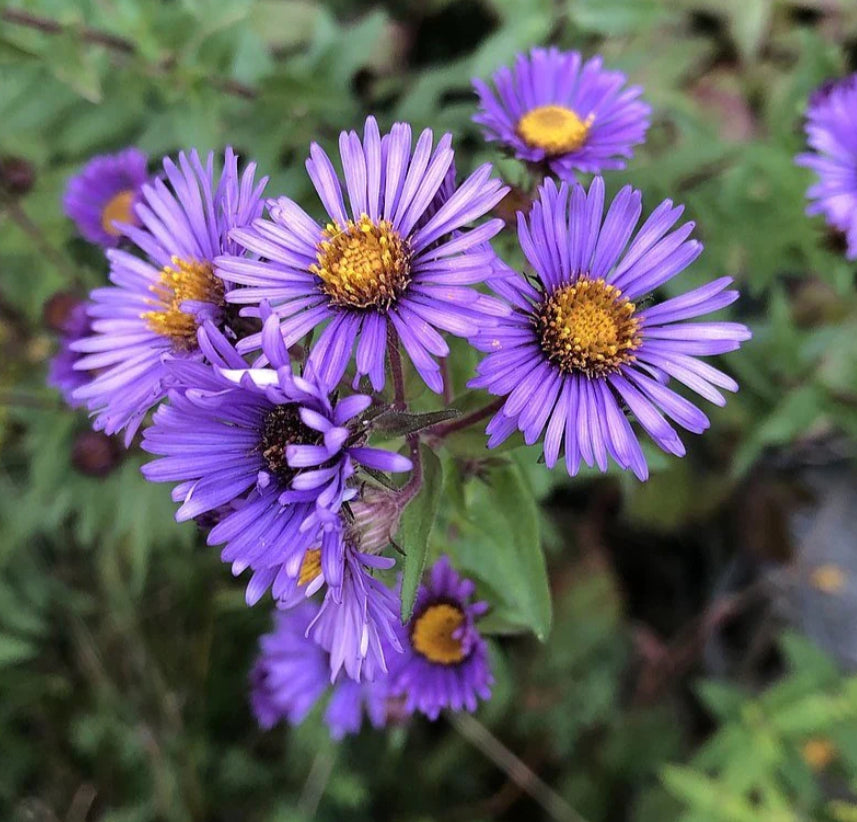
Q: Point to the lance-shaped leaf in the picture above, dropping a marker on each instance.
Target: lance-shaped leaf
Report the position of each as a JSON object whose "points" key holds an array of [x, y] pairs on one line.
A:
{"points": [[402, 423]]}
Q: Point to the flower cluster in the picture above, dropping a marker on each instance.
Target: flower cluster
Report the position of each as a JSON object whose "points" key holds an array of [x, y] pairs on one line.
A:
{"points": [[443, 663], [260, 352]]}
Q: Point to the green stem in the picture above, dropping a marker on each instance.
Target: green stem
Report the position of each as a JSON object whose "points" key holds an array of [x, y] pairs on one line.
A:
{"points": [[395, 358], [518, 771], [447, 428]]}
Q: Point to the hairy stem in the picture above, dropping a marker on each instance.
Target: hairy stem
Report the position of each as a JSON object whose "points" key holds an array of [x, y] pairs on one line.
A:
{"points": [[411, 488], [395, 358], [447, 381], [19, 217], [319, 775], [438, 432]]}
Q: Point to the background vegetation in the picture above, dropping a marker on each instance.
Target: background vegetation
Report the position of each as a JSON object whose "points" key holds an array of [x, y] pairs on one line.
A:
{"points": [[698, 665]]}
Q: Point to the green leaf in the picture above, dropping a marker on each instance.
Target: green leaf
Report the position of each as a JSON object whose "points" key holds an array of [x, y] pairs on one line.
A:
{"points": [[416, 525], [501, 543], [723, 699], [74, 63], [13, 650], [400, 423], [615, 17], [707, 795]]}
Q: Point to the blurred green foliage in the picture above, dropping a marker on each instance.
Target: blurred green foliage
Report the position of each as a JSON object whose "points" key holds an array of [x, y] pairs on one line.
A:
{"points": [[124, 644]]}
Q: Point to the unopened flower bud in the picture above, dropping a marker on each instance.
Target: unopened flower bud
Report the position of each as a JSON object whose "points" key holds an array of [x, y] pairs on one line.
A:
{"points": [[376, 520], [57, 310], [17, 175], [95, 454]]}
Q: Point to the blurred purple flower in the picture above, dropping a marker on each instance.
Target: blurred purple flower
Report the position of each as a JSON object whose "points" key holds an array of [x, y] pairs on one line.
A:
{"points": [[292, 673], [62, 373], [104, 193], [831, 129], [554, 108]]}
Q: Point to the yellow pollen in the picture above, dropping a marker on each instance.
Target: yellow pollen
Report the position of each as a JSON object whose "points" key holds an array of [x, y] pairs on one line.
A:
{"points": [[432, 634], [555, 129], [310, 566], [829, 579], [818, 752], [363, 264], [118, 208], [588, 328], [185, 280]]}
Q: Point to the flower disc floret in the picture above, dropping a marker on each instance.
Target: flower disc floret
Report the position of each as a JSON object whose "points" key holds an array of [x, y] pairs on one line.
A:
{"points": [[363, 264]]}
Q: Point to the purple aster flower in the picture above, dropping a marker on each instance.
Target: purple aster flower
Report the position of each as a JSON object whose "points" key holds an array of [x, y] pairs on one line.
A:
{"points": [[62, 373], [104, 194], [153, 310], [445, 660], [554, 108], [379, 265], [271, 444], [358, 623], [831, 129], [292, 674], [582, 346]]}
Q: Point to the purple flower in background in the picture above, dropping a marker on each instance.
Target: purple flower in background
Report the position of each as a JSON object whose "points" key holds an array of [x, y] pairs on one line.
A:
{"points": [[271, 444], [105, 193], [445, 660], [377, 266], [831, 130], [292, 674], [581, 345], [152, 311], [62, 373], [554, 108], [350, 700]]}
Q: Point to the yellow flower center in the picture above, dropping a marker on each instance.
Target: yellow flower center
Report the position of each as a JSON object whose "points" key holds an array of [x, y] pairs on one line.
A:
{"points": [[588, 328], [432, 634], [554, 129], [118, 208], [185, 280], [818, 752], [310, 566], [828, 578], [363, 264]]}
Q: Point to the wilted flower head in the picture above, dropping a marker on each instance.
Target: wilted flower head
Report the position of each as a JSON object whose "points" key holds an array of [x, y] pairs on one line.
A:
{"points": [[151, 313], [581, 345], [831, 129], [554, 108], [102, 197], [358, 624], [445, 660], [377, 266]]}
